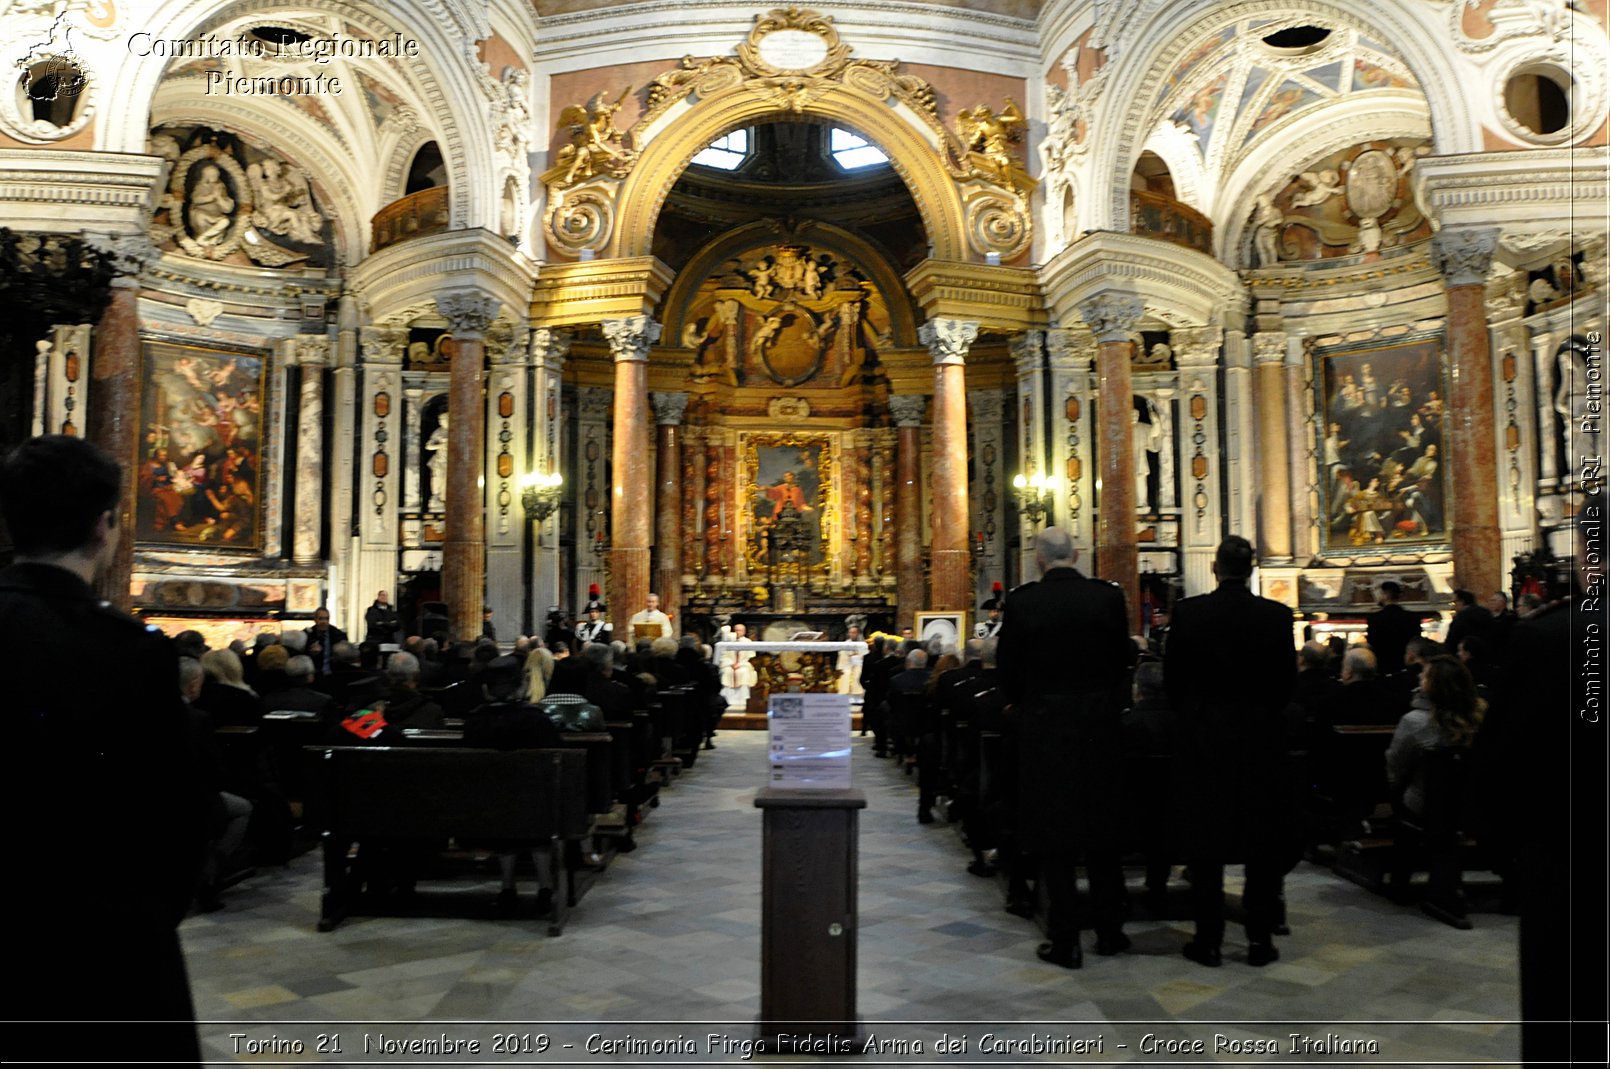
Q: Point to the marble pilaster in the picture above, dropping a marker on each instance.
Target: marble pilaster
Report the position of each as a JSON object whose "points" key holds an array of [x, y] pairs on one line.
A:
{"points": [[311, 355], [989, 490], [629, 340], [907, 413], [1070, 442], [948, 341], [1240, 437], [468, 313], [1300, 460], [1112, 317], [1196, 354], [1464, 257], [549, 347], [1274, 466], [113, 422], [1028, 360], [375, 469], [508, 420], [593, 447], [669, 408]]}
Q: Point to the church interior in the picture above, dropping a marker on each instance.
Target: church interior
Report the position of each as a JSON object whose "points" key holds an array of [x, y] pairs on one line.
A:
{"points": [[805, 318]]}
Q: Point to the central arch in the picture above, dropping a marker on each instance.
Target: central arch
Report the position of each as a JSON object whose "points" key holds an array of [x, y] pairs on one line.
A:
{"points": [[915, 153]]}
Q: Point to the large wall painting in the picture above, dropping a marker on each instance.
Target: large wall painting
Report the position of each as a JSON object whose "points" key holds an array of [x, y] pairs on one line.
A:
{"points": [[198, 471], [1381, 457], [788, 487]]}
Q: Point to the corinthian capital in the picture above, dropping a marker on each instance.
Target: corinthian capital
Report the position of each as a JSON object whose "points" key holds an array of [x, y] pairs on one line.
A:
{"points": [[1071, 347], [630, 338], [383, 344], [907, 410], [669, 406], [1112, 316], [1026, 348], [310, 351], [1197, 346], [549, 345], [468, 313], [948, 339], [1269, 347], [1464, 255]]}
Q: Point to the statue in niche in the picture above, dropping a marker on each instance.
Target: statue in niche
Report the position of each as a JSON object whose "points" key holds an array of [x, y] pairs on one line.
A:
{"points": [[436, 464], [1267, 220], [1145, 440], [210, 208], [283, 203]]}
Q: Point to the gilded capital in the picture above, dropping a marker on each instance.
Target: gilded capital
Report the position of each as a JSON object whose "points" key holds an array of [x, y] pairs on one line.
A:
{"points": [[907, 410], [468, 313], [948, 339], [669, 406], [1112, 316], [1464, 255], [629, 338]]}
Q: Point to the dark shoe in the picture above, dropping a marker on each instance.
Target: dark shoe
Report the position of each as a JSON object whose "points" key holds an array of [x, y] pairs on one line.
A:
{"points": [[1282, 929], [1261, 954], [1021, 907], [1069, 957], [708, 745], [1203, 955], [981, 868], [1452, 916], [1112, 943], [544, 901], [925, 814]]}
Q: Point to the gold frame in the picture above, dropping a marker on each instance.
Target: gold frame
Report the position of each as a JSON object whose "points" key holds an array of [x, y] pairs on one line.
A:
{"points": [[825, 498]]}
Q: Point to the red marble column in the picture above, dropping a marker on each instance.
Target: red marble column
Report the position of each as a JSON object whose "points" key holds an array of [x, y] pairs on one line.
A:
{"points": [[948, 341], [907, 412], [1274, 463], [1464, 257], [1111, 319], [468, 314], [114, 420], [630, 493], [668, 412]]}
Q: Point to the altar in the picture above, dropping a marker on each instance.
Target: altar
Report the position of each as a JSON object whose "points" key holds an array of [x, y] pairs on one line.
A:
{"points": [[797, 667]]}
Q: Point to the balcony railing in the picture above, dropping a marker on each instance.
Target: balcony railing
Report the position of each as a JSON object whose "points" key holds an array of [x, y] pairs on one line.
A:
{"points": [[412, 216], [1153, 215]]}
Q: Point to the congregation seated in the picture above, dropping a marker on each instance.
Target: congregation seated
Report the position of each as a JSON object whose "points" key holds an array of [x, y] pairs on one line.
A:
{"points": [[225, 694], [503, 719], [539, 665], [569, 674], [1362, 697], [270, 667], [1446, 713], [406, 706], [1315, 683], [345, 668], [602, 687], [299, 694], [662, 664], [227, 814], [1146, 723]]}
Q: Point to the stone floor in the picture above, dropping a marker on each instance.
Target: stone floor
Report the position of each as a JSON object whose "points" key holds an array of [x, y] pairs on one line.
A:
{"points": [[666, 944]]}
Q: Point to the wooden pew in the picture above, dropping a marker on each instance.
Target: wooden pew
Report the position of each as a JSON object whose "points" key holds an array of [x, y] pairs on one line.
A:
{"points": [[531, 798]]}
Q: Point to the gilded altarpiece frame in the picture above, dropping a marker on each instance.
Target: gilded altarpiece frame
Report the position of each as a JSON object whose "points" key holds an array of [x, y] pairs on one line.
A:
{"points": [[777, 470]]}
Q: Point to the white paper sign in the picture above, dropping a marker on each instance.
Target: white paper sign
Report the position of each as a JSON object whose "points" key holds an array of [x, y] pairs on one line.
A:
{"points": [[810, 740]]}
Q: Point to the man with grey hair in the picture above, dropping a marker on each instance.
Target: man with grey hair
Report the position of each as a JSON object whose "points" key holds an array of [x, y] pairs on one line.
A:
{"points": [[601, 687], [406, 707], [1363, 697], [1064, 660], [300, 695], [294, 642]]}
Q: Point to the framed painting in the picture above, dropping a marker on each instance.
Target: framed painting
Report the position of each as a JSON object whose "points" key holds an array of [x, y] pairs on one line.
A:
{"points": [[788, 485], [948, 627], [1383, 427], [198, 469]]}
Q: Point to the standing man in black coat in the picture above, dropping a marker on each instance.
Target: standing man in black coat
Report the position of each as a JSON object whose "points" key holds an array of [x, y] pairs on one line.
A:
{"points": [[1230, 672], [1389, 629], [381, 621], [105, 755], [1064, 657]]}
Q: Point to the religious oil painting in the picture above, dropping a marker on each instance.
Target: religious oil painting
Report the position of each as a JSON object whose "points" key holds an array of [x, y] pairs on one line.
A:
{"points": [[788, 484], [199, 461], [1382, 445]]}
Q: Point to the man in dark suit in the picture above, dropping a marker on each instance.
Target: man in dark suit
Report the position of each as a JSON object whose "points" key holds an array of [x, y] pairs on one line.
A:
{"points": [[1064, 658], [1469, 618], [104, 754], [381, 621], [321, 640], [300, 695], [1229, 672], [1390, 628]]}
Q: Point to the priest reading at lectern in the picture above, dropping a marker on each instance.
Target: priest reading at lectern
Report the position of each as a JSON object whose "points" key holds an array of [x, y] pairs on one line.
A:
{"points": [[651, 623]]}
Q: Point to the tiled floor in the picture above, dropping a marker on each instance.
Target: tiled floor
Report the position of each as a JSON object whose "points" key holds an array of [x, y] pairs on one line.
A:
{"points": [[670, 934]]}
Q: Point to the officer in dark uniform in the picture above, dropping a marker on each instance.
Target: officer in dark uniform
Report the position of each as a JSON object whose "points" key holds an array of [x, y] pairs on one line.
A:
{"points": [[99, 761], [1230, 672], [1064, 657], [595, 628]]}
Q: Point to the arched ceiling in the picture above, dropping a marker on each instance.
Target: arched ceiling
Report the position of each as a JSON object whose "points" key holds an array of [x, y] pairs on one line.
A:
{"points": [[1023, 9]]}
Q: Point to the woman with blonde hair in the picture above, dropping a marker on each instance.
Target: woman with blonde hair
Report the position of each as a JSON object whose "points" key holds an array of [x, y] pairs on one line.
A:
{"points": [[539, 672], [225, 694]]}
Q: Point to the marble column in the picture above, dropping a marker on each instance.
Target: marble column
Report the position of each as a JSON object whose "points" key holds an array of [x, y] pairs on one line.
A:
{"points": [[1274, 486], [312, 356], [591, 493], [1464, 257], [468, 313], [1240, 438], [948, 341], [114, 420], [1071, 352], [907, 413], [1301, 466], [1196, 353], [549, 348], [669, 408], [630, 501], [508, 417], [1028, 358], [1112, 317], [989, 490]]}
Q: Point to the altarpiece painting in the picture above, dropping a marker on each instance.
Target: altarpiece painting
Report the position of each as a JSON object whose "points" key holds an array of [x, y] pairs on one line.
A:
{"points": [[788, 484]]}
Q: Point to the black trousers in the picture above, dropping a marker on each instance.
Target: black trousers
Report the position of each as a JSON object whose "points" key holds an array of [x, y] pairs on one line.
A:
{"points": [[1106, 877], [1260, 898]]}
